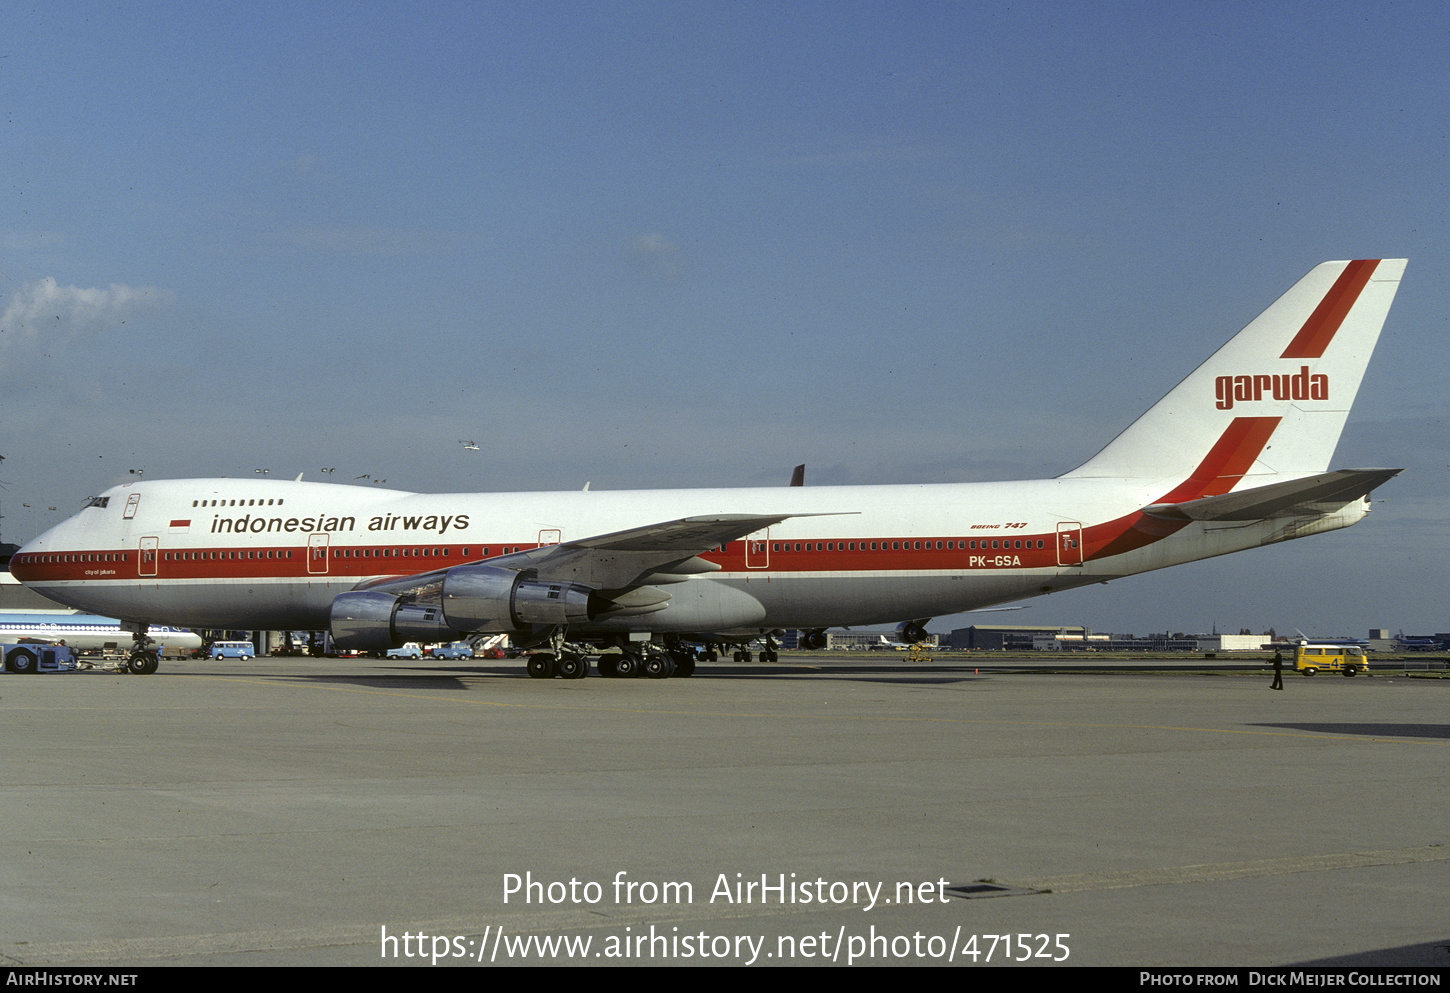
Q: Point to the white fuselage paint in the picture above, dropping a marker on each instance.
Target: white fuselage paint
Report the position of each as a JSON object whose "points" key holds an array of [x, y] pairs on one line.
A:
{"points": [[235, 553]]}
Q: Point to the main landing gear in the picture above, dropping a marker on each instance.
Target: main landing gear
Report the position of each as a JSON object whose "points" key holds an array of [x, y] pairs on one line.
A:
{"points": [[568, 665], [769, 655], [624, 659], [143, 660], [649, 662]]}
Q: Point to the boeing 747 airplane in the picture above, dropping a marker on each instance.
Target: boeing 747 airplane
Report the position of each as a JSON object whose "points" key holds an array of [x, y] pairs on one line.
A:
{"points": [[1236, 456]]}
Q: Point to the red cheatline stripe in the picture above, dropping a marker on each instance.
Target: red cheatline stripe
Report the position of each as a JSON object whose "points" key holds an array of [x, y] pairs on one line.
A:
{"points": [[1225, 464], [1316, 334], [1227, 461]]}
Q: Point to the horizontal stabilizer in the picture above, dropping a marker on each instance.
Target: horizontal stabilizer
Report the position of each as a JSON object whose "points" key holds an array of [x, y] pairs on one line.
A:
{"points": [[1294, 498]]}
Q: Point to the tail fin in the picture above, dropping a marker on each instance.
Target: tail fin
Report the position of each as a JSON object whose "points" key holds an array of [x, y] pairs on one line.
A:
{"points": [[1272, 401]]}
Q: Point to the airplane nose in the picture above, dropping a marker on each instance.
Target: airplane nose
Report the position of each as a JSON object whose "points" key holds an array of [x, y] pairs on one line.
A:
{"points": [[20, 562], [40, 543]]}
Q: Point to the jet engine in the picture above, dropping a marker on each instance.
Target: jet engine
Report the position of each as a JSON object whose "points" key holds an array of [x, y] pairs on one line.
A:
{"points": [[912, 632], [470, 598], [814, 640]]}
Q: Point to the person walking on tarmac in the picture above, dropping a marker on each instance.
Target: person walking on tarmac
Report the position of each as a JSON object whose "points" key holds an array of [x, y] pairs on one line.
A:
{"points": [[1278, 683]]}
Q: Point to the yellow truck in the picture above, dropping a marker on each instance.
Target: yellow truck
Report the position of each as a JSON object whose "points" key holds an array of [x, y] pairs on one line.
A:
{"points": [[1348, 659]]}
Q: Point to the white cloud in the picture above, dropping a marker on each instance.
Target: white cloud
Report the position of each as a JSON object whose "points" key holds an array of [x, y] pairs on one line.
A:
{"points": [[46, 309]]}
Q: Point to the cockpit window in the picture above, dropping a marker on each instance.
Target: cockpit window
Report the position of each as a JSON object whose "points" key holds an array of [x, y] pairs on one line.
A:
{"points": [[97, 501]]}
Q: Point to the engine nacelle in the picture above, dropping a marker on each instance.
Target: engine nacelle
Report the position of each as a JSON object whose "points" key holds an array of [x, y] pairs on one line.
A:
{"points": [[371, 621], [814, 640], [475, 598], [912, 632], [487, 598]]}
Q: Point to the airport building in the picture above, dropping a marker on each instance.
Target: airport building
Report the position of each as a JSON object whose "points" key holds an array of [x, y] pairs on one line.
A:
{"points": [[1066, 637], [851, 641], [1008, 637]]}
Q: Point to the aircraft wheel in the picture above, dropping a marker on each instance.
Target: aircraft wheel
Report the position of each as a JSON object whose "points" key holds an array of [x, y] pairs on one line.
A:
{"points": [[608, 666], [22, 661], [627, 667], [143, 663], [684, 667], [573, 667], [659, 667], [745, 657], [769, 656], [541, 666]]}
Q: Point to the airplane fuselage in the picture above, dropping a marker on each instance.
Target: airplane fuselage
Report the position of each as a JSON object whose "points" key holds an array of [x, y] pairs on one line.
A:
{"points": [[245, 554]]}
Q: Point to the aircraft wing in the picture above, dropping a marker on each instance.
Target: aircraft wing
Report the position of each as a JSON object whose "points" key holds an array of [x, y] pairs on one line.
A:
{"points": [[1294, 498], [625, 558], [657, 553]]}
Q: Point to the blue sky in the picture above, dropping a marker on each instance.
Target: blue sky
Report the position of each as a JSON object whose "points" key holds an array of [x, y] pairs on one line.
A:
{"points": [[673, 244]]}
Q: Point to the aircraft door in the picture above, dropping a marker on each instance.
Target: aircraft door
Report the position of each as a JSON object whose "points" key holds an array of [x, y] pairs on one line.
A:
{"points": [[1069, 544], [757, 550], [146, 556], [317, 554]]}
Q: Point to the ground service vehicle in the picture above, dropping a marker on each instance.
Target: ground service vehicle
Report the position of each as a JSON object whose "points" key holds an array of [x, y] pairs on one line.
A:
{"points": [[1348, 659], [232, 650], [33, 658]]}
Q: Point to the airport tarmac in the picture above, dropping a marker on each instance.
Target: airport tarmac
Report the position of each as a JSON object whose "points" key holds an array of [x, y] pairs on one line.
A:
{"points": [[300, 812]]}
